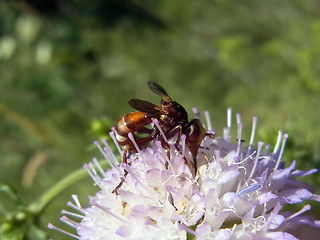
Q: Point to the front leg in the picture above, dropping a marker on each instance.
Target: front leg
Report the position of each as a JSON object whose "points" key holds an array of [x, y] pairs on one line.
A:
{"points": [[173, 132]]}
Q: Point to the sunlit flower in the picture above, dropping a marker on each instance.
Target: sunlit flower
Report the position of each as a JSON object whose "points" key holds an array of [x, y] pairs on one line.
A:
{"points": [[237, 193]]}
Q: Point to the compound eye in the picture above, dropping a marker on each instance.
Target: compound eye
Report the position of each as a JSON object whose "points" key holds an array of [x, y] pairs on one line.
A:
{"points": [[164, 103]]}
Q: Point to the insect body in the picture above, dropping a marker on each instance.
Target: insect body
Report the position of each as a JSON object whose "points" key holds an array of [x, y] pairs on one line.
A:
{"points": [[172, 119]]}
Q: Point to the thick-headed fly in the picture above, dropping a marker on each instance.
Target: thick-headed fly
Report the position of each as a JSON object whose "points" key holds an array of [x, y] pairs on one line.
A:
{"points": [[172, 119]]}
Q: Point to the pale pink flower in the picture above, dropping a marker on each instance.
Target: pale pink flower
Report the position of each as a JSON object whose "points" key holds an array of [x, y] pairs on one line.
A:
{"points": [[237, 193]]}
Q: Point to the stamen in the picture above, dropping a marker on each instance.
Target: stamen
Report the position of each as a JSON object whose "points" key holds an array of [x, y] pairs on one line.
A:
{"points": [[283, 144], [239, 139], [76, 200], [112, 158], [253, 132], [207, 116], [304, 209], [133, 141], [93, 170], [183, 141], [51, 226], [109, 152], [69, 222], [243, 160], [72, 214], [276, 147], [96, 163], [238, 117], [249, 189], [103, 153], [94, 177], [196, 112], [113, 136], [113, 162], [116, 216], [260, 144], [79, 209], [156, 122], [229, 115], [226, 131]]}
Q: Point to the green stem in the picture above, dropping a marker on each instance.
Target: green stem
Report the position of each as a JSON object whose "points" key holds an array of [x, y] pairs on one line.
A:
{"points": [[53, 192]]}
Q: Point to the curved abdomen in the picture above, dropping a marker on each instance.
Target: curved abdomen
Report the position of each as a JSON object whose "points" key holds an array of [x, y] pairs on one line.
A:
{"points": [[131, 122]]}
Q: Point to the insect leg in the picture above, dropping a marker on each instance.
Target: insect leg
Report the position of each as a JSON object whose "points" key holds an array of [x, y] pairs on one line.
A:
{"points": [[115, 190]]}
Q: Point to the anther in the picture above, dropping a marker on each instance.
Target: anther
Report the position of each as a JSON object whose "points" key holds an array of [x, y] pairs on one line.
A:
{"points": [[249, 189]]}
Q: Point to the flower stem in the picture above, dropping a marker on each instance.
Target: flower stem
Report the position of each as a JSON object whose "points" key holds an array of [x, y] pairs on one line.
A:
{"points": [[37, 206]]}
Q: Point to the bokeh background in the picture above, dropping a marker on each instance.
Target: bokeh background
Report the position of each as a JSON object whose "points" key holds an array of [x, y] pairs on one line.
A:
{"points": [[68, 68]]}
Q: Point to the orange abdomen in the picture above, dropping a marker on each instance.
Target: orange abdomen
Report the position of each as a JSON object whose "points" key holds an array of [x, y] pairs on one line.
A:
{"points": [[130, 123]]}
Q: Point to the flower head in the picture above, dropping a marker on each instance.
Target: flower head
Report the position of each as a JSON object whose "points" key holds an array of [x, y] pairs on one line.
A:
{"points": [[237, 192]]}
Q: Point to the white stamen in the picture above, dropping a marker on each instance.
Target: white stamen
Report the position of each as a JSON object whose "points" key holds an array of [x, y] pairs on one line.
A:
{"points": [[196, 112], [156, 122], [276, 147], [93, 170], [253, 132], [51, 226], [116, 216], [96, 163], [72, 214], [109, 152], [111, 157], [260, 144], [239, 139], [76, 200], [238, 117], [104, 153], [229, 117], [183, 141], [113, 136], [69, 222], [94, 177], [283, 144], [79, 209], [243, 160], [226, 131], [207, 116], [249, 189], [114, 162], [304, 209], [133, 141]]}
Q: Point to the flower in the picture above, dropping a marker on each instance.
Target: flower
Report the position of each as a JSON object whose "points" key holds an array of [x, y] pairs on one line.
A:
{"points": [[237, 193]]}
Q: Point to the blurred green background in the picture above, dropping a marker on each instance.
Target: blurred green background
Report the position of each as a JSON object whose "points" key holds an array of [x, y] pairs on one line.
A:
{"points": [[68, 68]]}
